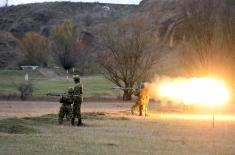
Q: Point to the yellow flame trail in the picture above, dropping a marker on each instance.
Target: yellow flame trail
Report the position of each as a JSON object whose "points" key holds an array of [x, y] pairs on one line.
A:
{"points": [[203, 91]]}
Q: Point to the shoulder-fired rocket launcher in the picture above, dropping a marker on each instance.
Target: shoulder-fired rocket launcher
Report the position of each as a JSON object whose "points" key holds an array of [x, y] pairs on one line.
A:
{"points": [[60, 94], [122, 88]]}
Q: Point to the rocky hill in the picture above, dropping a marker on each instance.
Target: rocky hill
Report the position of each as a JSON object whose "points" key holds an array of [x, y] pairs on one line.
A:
{"points": [[9, 51], [15, 21], [41, 17], [165, 15], [162, 17]]}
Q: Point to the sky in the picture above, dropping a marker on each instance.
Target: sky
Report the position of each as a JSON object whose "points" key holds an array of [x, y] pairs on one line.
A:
{"points": [[16, 2]]}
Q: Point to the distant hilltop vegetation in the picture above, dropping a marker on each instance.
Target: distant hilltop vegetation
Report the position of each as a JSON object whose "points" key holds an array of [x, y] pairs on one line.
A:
{"points": [[41, 17], [16, 21], [168, 21]]}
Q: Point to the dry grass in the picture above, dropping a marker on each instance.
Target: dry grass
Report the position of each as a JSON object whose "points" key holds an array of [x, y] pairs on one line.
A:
{"points": [[117, 132]]}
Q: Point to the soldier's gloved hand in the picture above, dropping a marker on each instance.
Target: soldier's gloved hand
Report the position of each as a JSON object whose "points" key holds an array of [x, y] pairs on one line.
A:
{"points": [[62, 99]]}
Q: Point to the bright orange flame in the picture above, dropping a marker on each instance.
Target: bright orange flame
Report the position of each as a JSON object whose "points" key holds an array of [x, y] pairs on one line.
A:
{"points": [[204, 91]]}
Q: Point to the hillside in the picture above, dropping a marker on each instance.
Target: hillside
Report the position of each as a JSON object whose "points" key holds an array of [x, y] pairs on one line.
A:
{"points": [[15, 21], [41, 17], [163, 16]]}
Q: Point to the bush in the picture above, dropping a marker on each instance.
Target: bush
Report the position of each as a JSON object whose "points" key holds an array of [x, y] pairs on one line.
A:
{"points": [[25, 89], [35, 49]]}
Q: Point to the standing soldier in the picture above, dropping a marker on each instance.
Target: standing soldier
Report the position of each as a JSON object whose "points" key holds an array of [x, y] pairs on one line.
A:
{"points": [[78, 91], [66, 109], [142, 100]]}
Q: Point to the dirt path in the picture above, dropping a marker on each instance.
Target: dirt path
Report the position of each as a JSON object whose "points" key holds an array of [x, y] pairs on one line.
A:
{"points": [[32, 108], [37, 108]]}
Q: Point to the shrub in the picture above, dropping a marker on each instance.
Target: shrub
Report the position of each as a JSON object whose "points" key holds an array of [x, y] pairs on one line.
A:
{"points": [[35, 49], [25, 89]]}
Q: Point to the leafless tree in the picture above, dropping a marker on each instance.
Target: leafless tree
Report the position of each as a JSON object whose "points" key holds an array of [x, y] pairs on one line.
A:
{"points": [[209, 36], [35, 48], [4, 3], [128, 55], [65, 44]]}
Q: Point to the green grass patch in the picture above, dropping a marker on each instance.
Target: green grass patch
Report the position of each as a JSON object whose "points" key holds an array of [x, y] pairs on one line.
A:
{"points": [[111, 136], [17, 126], [92, 85], [29, 125], [95, 115], [45, 119], [10, 79], [95, 86]]}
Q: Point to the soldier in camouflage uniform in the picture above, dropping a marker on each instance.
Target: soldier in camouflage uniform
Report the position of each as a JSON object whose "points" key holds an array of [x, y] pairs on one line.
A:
{"points": [[78, 91], [66, 109], [142, 100]]}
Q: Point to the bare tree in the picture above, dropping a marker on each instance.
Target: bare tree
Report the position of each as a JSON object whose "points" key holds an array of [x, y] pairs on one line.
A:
{"points": [[209, 34], [65, 44], [6, 3], [35, 48], [128, 56]]}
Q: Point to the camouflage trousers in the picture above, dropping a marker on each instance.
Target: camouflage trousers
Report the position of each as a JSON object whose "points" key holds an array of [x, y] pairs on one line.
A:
{"points": [[65, 111], [142, 107], [76, 112]]}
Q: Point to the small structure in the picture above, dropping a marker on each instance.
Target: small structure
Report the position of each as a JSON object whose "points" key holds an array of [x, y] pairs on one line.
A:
{"points": [[29, 67], [106, 8], [26, 77]]}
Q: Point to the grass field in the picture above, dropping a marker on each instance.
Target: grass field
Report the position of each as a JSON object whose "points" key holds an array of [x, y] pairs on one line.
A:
{"points": [[107, 133], [109, 129], [93, 85], [30, 128]]}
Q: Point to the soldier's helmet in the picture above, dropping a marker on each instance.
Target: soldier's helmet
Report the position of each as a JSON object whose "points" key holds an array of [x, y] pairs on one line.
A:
{"points": [[76, 78], [70, 91]]}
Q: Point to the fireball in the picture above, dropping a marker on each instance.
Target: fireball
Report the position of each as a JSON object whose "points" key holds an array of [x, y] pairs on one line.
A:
{"points": [[203, 91]]}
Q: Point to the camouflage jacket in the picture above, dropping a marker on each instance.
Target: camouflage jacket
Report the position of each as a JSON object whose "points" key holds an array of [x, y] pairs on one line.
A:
{"points": [[66, 101], [78, 90]]}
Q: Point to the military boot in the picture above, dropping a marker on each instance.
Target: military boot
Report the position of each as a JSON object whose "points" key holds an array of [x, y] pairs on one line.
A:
{"points": [[140, 111], [79, 122], [72, 121], [132, 112], [60, 122]]}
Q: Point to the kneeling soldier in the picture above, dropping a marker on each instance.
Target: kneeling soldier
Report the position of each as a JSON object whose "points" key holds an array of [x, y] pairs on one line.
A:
{"points": [[66, 109]]}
